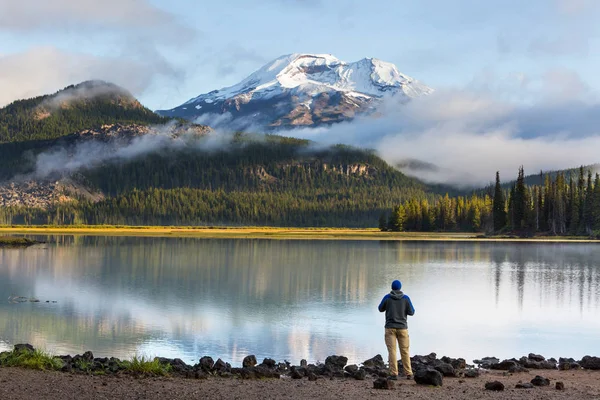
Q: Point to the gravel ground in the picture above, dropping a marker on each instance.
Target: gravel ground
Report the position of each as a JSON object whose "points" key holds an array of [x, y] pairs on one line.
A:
{"points": [[17, 384]]}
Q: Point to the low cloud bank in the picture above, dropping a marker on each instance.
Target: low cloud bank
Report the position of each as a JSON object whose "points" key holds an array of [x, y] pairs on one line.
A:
{"points": [[468, 136]]}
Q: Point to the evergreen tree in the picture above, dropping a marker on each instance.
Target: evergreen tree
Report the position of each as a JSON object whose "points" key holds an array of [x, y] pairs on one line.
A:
{"points": [[499, 206], [383, 222]]}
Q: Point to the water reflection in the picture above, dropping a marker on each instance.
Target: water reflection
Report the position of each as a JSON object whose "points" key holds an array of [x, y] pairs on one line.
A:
{"points": [[297, 299]]}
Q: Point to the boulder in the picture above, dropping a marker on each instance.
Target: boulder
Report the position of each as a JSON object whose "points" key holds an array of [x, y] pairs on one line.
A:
{"points": [[88, 356], [249, 361], [457, 363], [445, 369], [312, 376], [375, 362], [24, 348], [495, 385], [537, 362], [526, 385], [471, 373], [536, 357], [303, 363], [351, 369], [295, 374], [338, 362], [505, 365], [206, 363], [222, 366], [269, 363], [540, 381], [560, 386], [428, 376], [360, 375], [383, 383], [486, 362], [588, 362], [565, 364]]}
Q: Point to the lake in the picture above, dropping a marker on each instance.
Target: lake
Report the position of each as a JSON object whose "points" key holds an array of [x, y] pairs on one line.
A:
{"points": [[294, 299]]}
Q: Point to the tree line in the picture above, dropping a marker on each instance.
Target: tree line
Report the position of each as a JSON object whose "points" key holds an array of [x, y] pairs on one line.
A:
{"points": [[560, 204]]}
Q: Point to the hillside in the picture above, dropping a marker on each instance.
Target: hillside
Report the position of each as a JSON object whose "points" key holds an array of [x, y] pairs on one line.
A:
{"points": [[248, 179], [86, 105], [302, 90]]}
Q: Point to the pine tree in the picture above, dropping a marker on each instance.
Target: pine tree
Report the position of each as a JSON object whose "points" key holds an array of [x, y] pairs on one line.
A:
{"points": [[383, 224], [519, 202], [499, 210]]}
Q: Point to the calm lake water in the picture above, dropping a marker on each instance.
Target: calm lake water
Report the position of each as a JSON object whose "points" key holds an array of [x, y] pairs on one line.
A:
{"points": [[182, 297]]}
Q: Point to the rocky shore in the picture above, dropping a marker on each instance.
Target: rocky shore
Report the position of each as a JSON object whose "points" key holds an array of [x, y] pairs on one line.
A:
{"points": [[488, 375]]}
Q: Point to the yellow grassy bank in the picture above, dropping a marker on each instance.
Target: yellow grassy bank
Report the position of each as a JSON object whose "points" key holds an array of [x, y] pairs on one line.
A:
{"points": [[269, 233]]}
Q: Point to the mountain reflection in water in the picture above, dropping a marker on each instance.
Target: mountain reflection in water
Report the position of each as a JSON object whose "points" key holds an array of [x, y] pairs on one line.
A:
{"points": [[293, 299]]}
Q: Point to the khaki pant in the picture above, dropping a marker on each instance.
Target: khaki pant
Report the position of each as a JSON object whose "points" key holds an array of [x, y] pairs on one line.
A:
{"points": [[401, 336]]}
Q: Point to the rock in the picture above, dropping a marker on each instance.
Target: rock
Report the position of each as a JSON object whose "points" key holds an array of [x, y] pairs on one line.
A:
{"points": [[560, 386], [588, 362], [536, 357], [505, 365], [457, 363], [565, 364], [538, 362], [351, 368], [445, 369], [206, 363], [375, 362], [540, 381], [471, 373], [249, 361], [200, 375], [221, 366], [517, 368], [303, 363], [486, 362], [295, 374], [338, 362], [526, 385], [88, 356], [360, 375], [383, 383], [428, 376], [312, 377], [24, 348], [269, 363], [495, 385]]}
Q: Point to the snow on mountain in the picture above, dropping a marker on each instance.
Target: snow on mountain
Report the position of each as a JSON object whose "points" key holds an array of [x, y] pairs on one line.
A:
{"points": [[302, 90]]}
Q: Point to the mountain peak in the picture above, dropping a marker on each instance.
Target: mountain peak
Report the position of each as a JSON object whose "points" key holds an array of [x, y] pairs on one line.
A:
{"points": [[305, 89]]}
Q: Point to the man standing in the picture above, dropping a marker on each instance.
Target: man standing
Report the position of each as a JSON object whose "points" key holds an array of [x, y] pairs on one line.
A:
{"points": [[397, 306]]}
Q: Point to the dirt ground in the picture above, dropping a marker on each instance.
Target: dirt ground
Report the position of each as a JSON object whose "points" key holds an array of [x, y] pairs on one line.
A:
{"points": [[17, 384]]}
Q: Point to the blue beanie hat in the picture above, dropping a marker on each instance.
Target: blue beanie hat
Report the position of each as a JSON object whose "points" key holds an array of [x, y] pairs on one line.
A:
{"points": [[396, 285]]}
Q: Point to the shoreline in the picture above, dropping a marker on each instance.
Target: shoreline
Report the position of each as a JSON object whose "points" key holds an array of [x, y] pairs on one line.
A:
{"points": [[84, 376], [282, 234]]}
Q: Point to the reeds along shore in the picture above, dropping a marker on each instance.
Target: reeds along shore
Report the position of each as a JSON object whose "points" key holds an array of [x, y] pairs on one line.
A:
{"points": [[428, 369]]}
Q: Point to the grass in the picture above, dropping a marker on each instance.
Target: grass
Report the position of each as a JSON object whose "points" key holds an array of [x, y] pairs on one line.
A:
{"points": [[41, 360], [145, 366], [273, 233], [8, 241], [31, 360]]}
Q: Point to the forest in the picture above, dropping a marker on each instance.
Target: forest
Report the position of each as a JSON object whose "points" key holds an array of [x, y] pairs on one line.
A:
{"points": [[269, 180], [561, 203], [54, 116]]}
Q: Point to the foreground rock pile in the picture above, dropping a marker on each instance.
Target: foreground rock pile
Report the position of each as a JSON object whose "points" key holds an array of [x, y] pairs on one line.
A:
{"points": [[428, 370]]}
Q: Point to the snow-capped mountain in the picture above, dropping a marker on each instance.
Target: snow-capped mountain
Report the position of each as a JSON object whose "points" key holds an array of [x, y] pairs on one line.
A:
{"points": [[302, 90]]}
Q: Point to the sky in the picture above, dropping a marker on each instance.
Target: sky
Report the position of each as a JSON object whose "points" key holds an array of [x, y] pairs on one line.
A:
{"points": [[166, 52], [515, 82]]}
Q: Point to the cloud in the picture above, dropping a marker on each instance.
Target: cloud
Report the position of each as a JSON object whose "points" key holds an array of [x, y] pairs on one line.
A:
{"points": [[576, 7], [44, 70], [570, 44], [29, 16], [469, 135]]}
